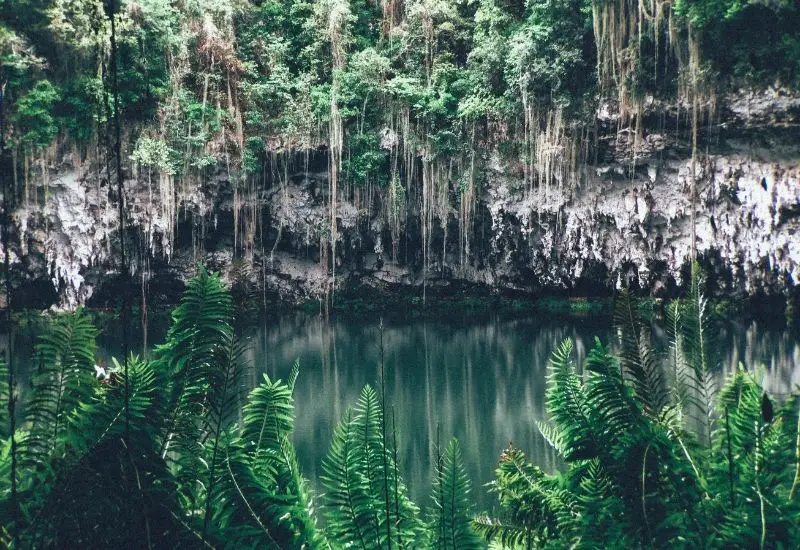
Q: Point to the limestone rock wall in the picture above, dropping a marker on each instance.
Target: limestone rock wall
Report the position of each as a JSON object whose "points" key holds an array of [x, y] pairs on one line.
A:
{"points": [[629, 222]]}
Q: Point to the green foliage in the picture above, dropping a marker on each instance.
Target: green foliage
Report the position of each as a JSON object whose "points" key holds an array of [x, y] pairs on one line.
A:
{"points": [[754, 42], [450, 517], [263, 500], [188, 471], [637, 473], [4, 397], [192, 472], [35, 124], [545, 56], [637, 357], [361, 480], [224, 86], [63, 379]]}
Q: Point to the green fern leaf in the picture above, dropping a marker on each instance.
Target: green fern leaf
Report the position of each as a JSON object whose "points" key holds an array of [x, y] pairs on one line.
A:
{"points": [[450, 516]]}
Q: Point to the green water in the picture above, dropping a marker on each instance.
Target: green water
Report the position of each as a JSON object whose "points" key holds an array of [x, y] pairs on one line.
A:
{"points": [[481, 380]]}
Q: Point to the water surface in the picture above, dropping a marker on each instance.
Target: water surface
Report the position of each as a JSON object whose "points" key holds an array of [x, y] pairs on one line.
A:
{"points": [[481, 380]]}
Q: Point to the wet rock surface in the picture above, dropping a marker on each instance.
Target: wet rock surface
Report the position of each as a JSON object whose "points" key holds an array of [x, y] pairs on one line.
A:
{"points": [[627, 223]]}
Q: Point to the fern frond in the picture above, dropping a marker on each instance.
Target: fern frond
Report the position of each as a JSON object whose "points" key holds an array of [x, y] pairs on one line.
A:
{"points": [[292, 380], [450, 516], [566, 406], [351, 511], [501, 533], [611, 409], [261, 498], [64, 378], [188, 361], [267, 415], [551, 436], [223, 401], [637, 357], [357, 472], [531, 502], [118, 489]]}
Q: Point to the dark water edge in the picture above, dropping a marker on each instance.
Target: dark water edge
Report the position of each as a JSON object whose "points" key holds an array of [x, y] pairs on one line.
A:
{"points": [[467, 372]]}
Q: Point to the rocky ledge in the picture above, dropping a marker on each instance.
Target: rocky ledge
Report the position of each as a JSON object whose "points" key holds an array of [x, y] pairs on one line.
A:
{"points": [[627, 223]]}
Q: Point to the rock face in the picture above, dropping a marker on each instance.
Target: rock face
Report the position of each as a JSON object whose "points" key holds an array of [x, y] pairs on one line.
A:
{"points": [[628, 222]]}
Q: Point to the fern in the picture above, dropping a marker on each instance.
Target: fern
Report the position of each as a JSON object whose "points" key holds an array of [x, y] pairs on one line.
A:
{"points": [[188, 362], [701, 352], [356, 483], [450, 516], [531, 503], [566, 406], [199, 365], [551, 436], [267, 416], [601, 511], [93, 466], [65, 356], [263, 499], [637, 355], [680, 375], [350, 509], [223, 401], [760, 512]]}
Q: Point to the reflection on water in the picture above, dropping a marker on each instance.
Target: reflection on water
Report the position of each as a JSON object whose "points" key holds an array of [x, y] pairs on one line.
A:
{"points": [[481, 380]]}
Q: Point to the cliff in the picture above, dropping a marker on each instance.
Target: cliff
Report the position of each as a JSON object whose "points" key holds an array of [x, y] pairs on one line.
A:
{"points": [[628, 221]]}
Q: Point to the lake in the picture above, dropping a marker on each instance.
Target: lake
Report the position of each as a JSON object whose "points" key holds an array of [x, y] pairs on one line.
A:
{"points": [[481, 380]]}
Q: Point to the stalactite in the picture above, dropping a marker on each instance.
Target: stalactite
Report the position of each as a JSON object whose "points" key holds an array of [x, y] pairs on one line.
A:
{"points": [[616, 23], [619, 28]]}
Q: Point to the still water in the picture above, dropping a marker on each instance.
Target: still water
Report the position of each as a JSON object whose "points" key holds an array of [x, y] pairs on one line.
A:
{"points": [[481, 380]]}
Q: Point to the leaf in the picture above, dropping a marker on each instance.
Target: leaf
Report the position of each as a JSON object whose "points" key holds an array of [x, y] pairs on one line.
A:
{"points": [[450, 516]]}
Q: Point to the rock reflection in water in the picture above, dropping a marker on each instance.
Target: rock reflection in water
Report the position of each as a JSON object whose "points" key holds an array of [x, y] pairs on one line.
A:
{"points": [[481, 380]]}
